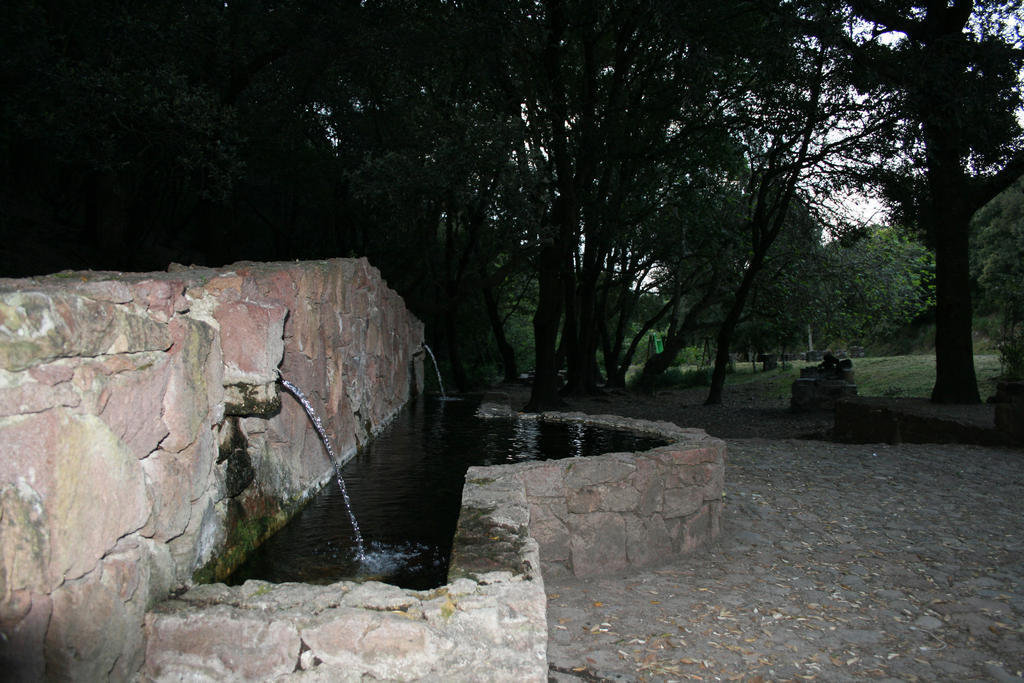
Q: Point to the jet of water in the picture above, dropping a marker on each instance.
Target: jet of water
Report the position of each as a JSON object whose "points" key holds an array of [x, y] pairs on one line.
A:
{"points": [[437, 370], [318, 425]]}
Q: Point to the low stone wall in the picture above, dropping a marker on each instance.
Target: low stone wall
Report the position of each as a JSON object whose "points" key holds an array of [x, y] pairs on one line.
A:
{"points": [[818, 389], [907, 420], [489, 622], [1009, 407], [490, 628], [617, 511], [144, 443]]}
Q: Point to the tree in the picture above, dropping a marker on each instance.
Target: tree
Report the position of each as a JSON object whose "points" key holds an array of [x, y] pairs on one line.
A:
{"points": [[880, 281], [613, 104], [997, 255], [855, 290], [797, 121], [956, 67], [700, 260], [139, 133]]}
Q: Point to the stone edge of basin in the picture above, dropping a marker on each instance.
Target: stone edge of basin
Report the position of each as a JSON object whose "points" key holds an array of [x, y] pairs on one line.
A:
{"points": [[600, 514], [490, 617]]}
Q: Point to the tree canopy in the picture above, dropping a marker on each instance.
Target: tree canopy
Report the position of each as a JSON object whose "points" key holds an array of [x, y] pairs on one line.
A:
{"points": [[546, 182]]}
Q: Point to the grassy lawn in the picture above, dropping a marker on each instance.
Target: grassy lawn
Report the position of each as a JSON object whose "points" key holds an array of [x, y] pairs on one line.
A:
{"points": [[893, 376]]}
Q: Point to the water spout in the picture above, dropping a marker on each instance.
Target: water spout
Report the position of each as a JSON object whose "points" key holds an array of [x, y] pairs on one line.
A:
{"points": [[318, 425], [437, 370]]}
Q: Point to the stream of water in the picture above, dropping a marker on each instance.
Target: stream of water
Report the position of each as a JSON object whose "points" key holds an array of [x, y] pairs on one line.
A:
{"points": [[357, 536], [437, 369]]}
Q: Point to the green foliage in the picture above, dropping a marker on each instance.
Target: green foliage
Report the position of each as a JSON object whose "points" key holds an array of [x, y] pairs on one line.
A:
{"points": [[656, 162], [678, 377], [861, 290], [997, 258], [878, 284], [1011, 354], [912, 376]]}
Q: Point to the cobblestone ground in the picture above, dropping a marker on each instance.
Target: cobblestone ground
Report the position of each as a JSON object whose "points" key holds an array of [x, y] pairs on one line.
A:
{"points": [[836, 562]]}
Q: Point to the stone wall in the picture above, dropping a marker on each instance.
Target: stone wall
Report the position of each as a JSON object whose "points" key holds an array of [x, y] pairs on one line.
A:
{"points": [[619, 511], [819, 389], [917, 420], [144, 443], [1009, 409]]}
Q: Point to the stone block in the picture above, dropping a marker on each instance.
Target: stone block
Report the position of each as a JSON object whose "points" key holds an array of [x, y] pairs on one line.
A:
{"points": [[113, 291], [598, 543], [252, 400], [682, 501], [379, 644], [198, 459], [221, 643], [698, 528], [648, 541], [714, 481], [94, 632], [598, 469], [37, 327], [617, 496], [24, 540], [204, 535], [167, 476], [90, 486], [359, 308], [162, 297], [127, 397], [648, 482], [681, 454], [186, 406], [374, 335], [34, 397], [548, 527], [52, 374], [252, 340], [226, 285], [24, 617]]}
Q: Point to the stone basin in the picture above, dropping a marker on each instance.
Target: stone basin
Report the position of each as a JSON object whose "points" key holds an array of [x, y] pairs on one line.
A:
{"points": [[580, 516]]}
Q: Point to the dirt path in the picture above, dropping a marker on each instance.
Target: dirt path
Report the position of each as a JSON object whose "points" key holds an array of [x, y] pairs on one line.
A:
{"points": [[836, 562]]}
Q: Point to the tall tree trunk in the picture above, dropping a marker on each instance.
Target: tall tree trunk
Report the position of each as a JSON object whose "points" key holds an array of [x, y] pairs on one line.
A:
{"points": [[451, 333], [505, 350], [555, 248], [581, 377], [728, 327], [544, 392], [950, 215]]}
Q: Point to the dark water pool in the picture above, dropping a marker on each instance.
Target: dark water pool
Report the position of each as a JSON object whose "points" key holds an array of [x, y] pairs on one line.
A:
{"points": [[406, 490]]}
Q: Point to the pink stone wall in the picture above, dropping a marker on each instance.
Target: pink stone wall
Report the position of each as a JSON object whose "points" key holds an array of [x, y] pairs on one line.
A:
{"points": [[118, 392], [609, 513]]}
